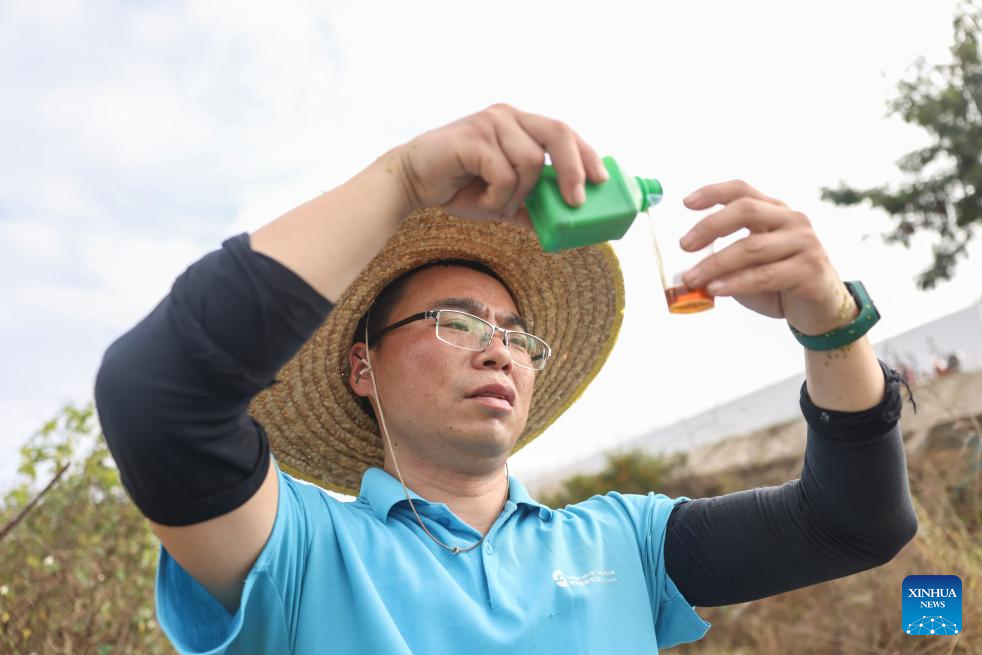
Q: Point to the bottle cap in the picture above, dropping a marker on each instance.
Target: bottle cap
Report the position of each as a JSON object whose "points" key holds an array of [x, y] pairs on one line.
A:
{"points": [[651, 191]]}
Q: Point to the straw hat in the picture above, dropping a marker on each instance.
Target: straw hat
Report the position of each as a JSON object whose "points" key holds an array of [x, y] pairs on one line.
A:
{"points": [[573, 299]]}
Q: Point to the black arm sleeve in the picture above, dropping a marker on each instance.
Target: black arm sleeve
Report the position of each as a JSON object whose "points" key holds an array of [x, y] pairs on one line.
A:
{"points": [[173, 392], [851, 510]]}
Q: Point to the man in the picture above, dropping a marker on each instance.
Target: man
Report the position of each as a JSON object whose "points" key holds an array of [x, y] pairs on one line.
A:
{"points": [[412, 356]]}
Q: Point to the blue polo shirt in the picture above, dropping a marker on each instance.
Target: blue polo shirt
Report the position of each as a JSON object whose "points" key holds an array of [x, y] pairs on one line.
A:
{"points": [[363, 577]]}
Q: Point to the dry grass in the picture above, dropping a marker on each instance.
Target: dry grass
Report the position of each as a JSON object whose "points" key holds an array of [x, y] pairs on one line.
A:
{"points": [[862, 613]]}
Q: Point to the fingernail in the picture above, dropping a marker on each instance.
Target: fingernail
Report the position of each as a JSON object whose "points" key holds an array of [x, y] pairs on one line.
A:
{"points": [[692, 197], [602, 171], [716, 288], [579, 194], [688, 240]]}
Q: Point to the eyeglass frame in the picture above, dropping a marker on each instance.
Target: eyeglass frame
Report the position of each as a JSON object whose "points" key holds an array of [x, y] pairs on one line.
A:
{"points": [[435, 314]]}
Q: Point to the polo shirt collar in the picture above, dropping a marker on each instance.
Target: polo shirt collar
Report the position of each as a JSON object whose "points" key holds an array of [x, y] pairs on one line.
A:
{"points": [[520, 496], [382, 491]]}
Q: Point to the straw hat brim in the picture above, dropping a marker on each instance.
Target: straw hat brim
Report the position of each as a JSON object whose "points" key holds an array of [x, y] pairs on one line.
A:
{"points": [[573, 299]]}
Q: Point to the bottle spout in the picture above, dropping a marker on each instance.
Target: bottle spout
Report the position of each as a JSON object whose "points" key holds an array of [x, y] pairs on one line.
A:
{"points": [[651, 191]]}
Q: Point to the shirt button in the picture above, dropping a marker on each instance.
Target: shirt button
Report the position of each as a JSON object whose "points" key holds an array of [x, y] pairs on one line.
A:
{"points": [[488, 548]]}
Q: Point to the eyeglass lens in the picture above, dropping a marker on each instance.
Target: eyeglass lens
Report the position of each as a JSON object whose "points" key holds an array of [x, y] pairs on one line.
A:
{"points": [[470, 332]]}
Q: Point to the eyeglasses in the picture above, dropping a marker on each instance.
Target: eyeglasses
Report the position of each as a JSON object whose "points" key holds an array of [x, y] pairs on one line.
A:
{"points": [[471, 332]]}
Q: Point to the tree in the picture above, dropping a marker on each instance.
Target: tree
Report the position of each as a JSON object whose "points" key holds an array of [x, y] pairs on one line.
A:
{"points": [[78, 560], [630, 472], [944, 191]]}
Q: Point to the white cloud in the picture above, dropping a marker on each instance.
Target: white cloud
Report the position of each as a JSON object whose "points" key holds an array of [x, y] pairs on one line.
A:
{"points": [[135, 271], [50, 11], [34, 239], [138, 118], [146, 133], [156, 26]]}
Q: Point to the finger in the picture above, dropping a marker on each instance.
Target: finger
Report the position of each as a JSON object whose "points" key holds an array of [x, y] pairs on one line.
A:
{"points": [[596, 172], [754, 250], [750, 213], [496, 186], [776, 276], [561, 143], [723, 193], [526, 157]]}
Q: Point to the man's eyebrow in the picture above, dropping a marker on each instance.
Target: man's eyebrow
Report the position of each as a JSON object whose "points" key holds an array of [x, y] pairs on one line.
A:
{"points": [[472, 306]]}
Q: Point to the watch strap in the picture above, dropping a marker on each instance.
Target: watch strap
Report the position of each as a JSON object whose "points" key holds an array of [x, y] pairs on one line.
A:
{"points": [[843, 336]]}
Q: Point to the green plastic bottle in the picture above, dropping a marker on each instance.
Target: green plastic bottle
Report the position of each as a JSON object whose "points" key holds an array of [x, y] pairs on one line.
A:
{"points": [[608, 212]]}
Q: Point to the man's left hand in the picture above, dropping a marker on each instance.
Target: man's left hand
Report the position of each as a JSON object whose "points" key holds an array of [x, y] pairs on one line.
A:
{"points": [[780, 269]]}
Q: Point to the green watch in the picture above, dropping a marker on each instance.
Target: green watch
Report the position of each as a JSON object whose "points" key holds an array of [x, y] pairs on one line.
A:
{"points": [[843, 336]]}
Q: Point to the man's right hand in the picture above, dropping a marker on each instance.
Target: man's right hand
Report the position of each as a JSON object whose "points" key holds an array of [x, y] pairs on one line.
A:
{"points": [[479, 167], [483, 166]]}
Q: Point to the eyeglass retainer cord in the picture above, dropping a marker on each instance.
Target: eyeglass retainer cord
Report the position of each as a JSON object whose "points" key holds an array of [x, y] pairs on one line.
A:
{"points": [[456, 550]]}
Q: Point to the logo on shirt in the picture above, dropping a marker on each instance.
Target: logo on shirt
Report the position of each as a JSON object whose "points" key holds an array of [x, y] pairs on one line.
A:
{"points": [[591, 577], [932, 605]]}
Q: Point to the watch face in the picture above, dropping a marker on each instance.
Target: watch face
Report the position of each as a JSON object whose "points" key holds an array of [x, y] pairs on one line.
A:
{"points": [[868, 313], [858, 292]]}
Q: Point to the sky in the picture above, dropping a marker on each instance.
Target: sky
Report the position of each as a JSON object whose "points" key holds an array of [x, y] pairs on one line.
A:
{"points": [[137, 136]]}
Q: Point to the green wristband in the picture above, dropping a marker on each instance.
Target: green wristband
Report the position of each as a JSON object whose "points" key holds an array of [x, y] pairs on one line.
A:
{"points": [[843, 336]]}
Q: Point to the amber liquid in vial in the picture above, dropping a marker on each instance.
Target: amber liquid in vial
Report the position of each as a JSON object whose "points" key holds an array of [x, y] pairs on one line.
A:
{"points": [[683, 300]]}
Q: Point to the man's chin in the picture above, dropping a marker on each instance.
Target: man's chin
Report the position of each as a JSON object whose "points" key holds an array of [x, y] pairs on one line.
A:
{"points": [[485, 442]]}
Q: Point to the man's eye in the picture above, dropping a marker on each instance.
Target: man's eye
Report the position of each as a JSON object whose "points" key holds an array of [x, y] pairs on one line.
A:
{"points": [[519, 341], [452, 324]]}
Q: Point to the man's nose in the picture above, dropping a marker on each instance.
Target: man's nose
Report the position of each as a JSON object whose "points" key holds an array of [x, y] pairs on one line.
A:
{"points": [[496, 350], [496, 331]]}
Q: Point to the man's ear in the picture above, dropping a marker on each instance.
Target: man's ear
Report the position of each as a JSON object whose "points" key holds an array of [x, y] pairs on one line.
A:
{"points": [[360, 378]]}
